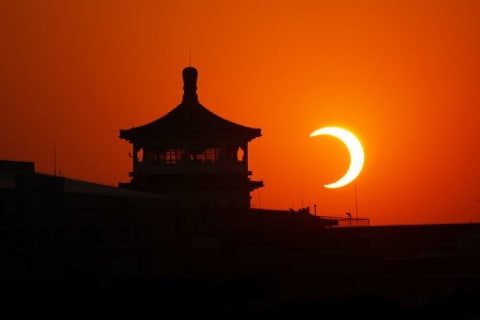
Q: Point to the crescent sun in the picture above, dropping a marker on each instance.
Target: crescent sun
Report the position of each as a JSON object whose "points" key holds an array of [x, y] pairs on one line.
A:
{"points": [[355, 149]]}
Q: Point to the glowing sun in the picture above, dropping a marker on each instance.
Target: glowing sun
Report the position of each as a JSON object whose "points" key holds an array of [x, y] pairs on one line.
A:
{"points": [[357, 157]]}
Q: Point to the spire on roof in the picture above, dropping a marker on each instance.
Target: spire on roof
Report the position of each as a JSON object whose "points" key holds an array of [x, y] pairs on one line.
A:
{"points": [[190, 84]]}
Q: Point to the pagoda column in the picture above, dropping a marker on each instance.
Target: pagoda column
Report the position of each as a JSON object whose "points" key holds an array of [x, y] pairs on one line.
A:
{"points": [[136, 149], [245, 155]]}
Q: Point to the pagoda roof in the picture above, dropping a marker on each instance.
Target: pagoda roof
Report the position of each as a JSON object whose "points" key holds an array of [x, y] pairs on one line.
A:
{"points": [[190, 121]]}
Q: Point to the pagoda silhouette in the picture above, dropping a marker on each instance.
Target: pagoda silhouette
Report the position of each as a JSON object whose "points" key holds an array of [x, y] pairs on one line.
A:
{"points": [[193, 156]]}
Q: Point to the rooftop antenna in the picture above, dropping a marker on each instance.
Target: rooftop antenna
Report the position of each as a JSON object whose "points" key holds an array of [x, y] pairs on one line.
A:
{"points": [[54, 157], [356, 202]]}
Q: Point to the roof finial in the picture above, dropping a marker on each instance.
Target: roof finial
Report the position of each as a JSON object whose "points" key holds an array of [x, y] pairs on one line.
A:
{"points": [[190, 84], [189, 56]]}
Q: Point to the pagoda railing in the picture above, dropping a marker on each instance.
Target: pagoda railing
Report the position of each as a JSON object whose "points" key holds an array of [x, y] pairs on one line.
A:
{"points": [[189, 167]]}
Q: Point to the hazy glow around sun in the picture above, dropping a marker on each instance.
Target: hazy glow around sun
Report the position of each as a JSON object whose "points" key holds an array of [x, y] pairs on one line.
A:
{"points": [[355, 149]]}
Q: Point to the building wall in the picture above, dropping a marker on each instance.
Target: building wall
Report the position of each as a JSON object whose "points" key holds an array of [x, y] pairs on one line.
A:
{"points": [[68, 237]]}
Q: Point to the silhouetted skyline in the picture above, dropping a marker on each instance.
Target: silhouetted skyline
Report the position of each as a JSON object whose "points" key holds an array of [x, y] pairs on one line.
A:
{"points": [[402, 76]]}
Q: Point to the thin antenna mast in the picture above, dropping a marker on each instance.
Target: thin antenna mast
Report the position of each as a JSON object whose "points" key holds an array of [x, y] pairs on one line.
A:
{"points": [[356, 203], [190, 57], [54, 157]]}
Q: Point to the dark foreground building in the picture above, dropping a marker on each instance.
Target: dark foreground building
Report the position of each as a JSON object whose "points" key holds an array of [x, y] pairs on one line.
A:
{"points": [[190, 249], [77, 243]]}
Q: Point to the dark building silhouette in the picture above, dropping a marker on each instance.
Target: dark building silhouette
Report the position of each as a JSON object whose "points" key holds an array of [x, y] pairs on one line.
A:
{"points": [[192, 155], [181, 237]]}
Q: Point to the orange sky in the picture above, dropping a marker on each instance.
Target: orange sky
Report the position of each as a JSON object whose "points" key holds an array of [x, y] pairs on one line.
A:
{"points": [[402, 75]]}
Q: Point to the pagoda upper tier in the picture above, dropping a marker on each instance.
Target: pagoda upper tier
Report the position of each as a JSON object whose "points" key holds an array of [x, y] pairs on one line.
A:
{"points": [[190, 120]]}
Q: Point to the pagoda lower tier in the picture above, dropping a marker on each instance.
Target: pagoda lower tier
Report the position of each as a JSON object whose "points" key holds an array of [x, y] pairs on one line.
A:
{"points": [[198, 190]]}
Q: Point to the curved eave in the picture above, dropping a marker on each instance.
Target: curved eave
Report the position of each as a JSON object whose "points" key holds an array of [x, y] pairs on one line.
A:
{"points": [[190, 120]]}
